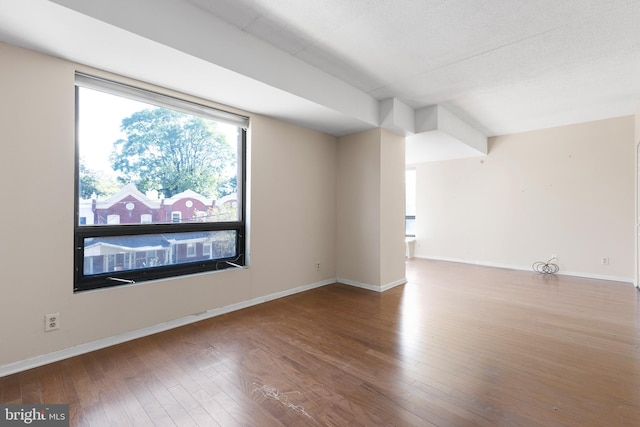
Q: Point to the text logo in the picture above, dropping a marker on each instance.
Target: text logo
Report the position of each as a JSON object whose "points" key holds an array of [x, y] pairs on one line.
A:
{"points": [[34, 415]]}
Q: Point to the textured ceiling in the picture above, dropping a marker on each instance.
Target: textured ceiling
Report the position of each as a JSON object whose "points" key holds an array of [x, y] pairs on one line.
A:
{"points": [[503, 66]]}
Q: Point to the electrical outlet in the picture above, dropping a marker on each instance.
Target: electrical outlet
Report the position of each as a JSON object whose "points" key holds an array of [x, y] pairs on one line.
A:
{"points": [[51, 322], [604, 260], [318, 266]]}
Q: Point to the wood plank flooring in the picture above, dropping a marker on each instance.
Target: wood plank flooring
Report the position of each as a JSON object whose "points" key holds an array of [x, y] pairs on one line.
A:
{"points": [[458, 345]]}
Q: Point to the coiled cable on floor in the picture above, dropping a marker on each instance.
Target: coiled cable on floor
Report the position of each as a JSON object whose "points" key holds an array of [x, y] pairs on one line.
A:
{"points": [[546, 267]]}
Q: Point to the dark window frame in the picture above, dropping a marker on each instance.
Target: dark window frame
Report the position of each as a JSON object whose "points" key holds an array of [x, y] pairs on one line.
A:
{"points": [[84, 282]]}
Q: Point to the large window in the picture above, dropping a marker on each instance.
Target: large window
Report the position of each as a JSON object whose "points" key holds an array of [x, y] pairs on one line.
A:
{"points": [[410, 199], [159, 186]]}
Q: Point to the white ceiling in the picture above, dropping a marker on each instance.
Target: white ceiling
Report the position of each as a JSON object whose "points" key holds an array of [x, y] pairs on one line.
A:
{"points": [[503, 66]]}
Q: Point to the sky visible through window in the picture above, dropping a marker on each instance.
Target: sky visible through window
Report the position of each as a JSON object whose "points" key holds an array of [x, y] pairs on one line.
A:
{"points": [[410, 182], [101, 116]]}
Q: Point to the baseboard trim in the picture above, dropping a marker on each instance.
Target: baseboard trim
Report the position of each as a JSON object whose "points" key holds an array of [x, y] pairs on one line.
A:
{"points": [[56, 356], [393, 284], [528, 268], [372, 287]]}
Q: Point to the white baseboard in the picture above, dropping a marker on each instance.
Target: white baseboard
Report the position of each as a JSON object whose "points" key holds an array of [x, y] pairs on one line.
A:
{"points": [[393, 284], [66, 353], [528, 268], [34, 362], [372, 287]]}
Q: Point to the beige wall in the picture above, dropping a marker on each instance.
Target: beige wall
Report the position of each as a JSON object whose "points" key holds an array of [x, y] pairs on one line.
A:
{"points": [[392, 206], [293, 198], [637, 125], [370, 249], [567, 191], [359, 207], [292, 180], [637, 197]]}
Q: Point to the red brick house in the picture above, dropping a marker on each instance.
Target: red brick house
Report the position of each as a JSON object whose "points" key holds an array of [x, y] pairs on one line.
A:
{"points": [[130, 206]]}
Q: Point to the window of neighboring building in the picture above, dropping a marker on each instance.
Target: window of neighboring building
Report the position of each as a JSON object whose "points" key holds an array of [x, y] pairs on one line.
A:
{"points": [[141, 150], [191, 249], [206, 249], [410, 199]]}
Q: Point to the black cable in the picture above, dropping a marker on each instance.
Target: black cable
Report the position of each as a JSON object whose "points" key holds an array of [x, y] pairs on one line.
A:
{"points": [[546, 267]]}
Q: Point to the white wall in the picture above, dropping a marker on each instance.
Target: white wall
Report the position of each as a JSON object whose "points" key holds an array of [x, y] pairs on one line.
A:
{"points": [[567, 191], [292, 210]]}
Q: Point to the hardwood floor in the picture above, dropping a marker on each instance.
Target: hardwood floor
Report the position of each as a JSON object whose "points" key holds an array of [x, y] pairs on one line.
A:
{"points": [[458, 345]]}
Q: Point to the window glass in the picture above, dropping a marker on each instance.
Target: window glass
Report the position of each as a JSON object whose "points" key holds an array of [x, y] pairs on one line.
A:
{"points": [[410, 200], [410, 192], [135, 252], [146, 162], [138, 159]]}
